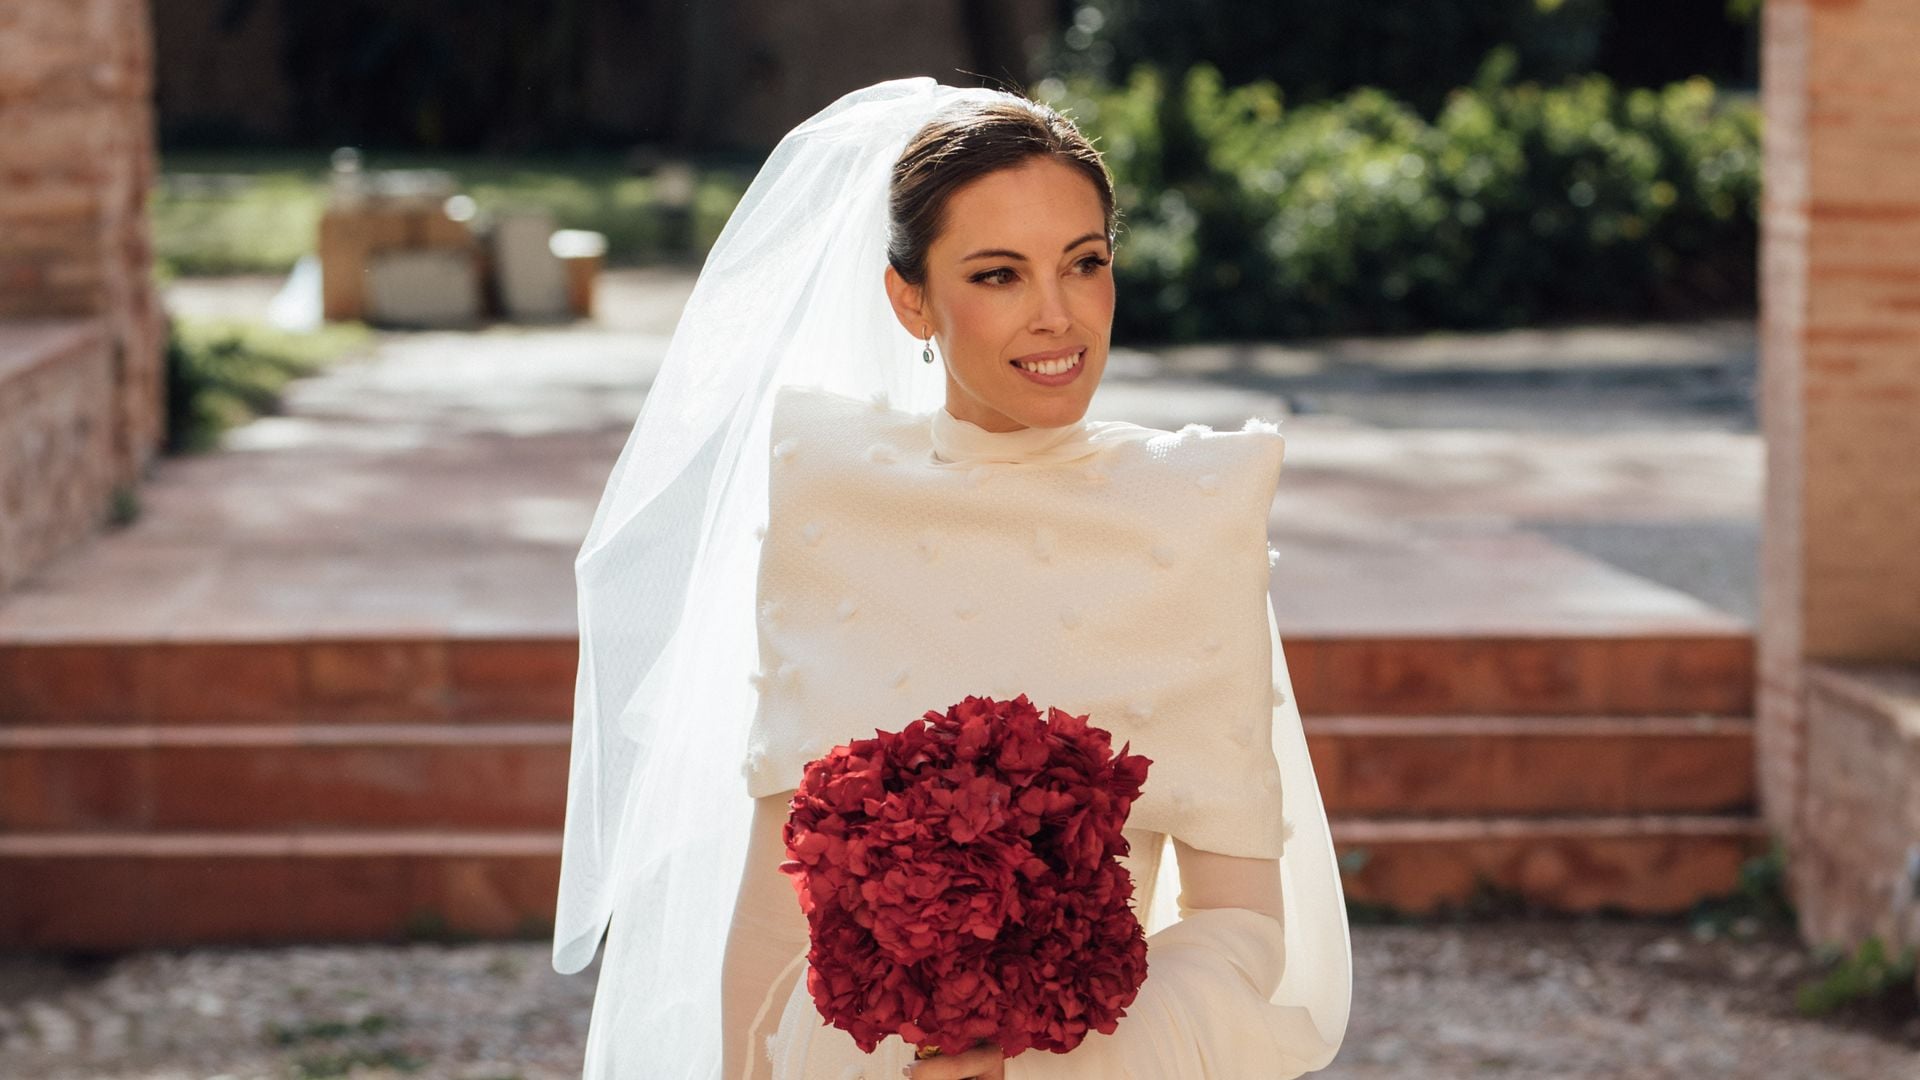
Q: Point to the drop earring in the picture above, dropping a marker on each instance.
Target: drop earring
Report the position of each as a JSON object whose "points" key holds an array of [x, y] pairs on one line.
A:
{"points": [[926, 354]]}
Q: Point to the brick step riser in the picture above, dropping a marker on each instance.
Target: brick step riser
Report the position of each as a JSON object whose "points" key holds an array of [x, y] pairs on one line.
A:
{"points": [[108, 902], [480, 681], [451, 776], [1415, 767], [274, 787], [289, 682], [1643, 866]]}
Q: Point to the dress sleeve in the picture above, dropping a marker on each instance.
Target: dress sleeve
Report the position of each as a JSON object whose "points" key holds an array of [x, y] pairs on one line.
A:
{"points": [[1205, 1010], [766, 947]]}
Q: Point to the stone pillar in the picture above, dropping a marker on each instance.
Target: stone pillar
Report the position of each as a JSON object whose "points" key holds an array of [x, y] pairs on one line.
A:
{"points": [[1839, 635], [77, 162]]}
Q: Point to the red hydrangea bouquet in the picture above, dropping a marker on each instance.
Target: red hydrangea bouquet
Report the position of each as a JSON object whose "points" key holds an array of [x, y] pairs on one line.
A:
{"points": [[961, 882]]}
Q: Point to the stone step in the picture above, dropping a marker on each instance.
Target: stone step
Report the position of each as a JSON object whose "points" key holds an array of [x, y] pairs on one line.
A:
{"points": [[519, 680], [1403, 766], [1638, 864], [107, 892], [300, 681], [514, 776], [1627, 674], [286, 776], [128, 890]]}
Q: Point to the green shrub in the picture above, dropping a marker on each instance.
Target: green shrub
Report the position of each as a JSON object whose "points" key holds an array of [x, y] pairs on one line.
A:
{"points": [[1866, 978], [223, 373], [1516, 204], [1416, 50]]}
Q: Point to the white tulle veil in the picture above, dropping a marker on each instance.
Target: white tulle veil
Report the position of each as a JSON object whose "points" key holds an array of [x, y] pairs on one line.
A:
{"points": [[657, 811]]}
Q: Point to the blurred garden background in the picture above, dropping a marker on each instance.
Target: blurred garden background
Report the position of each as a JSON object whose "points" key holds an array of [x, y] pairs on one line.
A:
{"points": [[1583, 624]]}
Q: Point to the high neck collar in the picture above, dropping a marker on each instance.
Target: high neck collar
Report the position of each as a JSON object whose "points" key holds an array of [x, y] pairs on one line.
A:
{"points": [[957, 440]]}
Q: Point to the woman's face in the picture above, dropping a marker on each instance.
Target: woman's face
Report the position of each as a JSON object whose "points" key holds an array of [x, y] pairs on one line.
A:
{"points": [[1021, 270]]}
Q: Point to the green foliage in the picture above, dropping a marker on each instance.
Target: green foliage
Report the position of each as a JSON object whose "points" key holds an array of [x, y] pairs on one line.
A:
{"points": [[1415, 50], [1759, 901], [224, 213], [262, 219], [123, 506], [1518, 203], [223, 373], [1868, 976]]}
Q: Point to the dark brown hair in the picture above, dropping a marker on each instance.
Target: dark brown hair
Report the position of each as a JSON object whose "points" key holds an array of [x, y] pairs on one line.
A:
{"points": [[964, 142]]}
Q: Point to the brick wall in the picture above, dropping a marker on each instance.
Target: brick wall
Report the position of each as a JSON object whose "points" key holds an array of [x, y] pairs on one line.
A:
{"points": [[1840, 402], [76, 167], [56, 439], [1859, 862]]}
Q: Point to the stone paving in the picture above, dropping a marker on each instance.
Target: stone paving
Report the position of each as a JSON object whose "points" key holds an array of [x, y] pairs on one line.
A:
{"points": [[1571, 1000], [442, 482]]}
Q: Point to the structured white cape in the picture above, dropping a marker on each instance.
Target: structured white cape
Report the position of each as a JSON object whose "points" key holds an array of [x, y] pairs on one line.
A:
{"points": [[1109, 569]]}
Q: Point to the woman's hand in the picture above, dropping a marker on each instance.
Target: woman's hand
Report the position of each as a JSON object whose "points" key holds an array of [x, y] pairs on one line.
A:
{"points": [[981, 1063]]}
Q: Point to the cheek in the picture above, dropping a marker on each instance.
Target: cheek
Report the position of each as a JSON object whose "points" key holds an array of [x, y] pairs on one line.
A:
{"points": [[981, 324], [1095, 302]]}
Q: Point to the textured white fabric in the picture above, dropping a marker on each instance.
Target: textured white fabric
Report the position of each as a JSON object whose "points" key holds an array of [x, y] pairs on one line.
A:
{"points": [[657, 814], [1121, 574], [1249, 963]]}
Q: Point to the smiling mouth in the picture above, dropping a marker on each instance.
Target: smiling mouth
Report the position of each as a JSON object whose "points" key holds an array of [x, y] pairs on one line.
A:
{"points": [[1059, 366]]}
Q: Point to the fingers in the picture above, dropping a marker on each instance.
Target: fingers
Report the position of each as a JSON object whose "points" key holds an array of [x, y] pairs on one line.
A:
{"points": [[986, 1063]]}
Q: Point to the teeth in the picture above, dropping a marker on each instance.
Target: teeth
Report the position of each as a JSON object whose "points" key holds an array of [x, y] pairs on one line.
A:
{"points": [[1051, 367]]}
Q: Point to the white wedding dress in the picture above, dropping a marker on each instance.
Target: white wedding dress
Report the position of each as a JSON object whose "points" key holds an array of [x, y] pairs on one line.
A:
{"points": [[1248, 957]]}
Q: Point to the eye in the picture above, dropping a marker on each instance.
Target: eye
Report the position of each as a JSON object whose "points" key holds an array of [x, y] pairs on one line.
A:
{"points": [[986, 274], [1092, 264]]}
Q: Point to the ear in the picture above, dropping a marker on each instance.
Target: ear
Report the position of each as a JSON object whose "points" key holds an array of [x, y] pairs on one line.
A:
{"points": [[909, 304]]}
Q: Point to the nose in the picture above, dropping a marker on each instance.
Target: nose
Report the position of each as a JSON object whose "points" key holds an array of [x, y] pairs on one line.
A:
{"points": [[1050, 312]]}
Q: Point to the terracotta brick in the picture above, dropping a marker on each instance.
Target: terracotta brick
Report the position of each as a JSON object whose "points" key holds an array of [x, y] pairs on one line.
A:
{"points": [[1651, 676], [226, 683], [389, 681], [72, 684], [79, 903], [1547, 773], [229, 788], [1516, 676], [1391, 676], [239, 899], [1701, 773], [176, 891], [501, 787], [1664, 866], [493, 897], [68, 788], [350, 899], [513, 680]]}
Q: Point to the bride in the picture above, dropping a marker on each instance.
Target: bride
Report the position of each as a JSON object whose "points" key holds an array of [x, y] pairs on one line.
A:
{"points": [[815, 530]]}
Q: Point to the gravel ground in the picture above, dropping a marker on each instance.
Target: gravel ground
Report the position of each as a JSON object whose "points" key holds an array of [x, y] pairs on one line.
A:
{"points": [[1522, 998]]}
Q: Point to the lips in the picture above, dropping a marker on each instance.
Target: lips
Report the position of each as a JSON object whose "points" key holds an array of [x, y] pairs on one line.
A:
{"points": [[1052, 354], [1058, 371]]}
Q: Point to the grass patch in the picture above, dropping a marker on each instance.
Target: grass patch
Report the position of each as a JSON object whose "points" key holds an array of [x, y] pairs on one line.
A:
{"points": [[221, 373], [259, 211]]}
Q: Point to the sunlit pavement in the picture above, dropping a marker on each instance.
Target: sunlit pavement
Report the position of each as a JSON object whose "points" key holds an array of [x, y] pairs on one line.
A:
{"points": [[1595, 480]]}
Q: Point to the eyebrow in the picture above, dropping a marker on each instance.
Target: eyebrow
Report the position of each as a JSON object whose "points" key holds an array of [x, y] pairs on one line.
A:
{"points": [[1003, 253]]}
